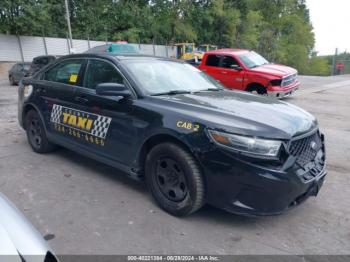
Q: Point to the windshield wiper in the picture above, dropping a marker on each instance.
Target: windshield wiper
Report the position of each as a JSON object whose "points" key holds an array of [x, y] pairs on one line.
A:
{"points": [[209, 89], [172, 92]]}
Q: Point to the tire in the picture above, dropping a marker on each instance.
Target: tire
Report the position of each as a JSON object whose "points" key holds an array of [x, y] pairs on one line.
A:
{"points": [[257, 90], [174, 179], [36, 133]]}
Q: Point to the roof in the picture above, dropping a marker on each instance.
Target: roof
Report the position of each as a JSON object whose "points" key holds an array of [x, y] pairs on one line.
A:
{"points": [[118, 57], [228, 51], [41, 56], [116, 48]]}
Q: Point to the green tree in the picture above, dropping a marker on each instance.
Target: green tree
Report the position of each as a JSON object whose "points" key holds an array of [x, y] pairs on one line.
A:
{"points": [[23, 17], [278, 29]]}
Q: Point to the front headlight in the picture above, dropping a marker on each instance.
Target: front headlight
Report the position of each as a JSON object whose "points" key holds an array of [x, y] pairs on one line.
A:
{"points": [[276, 82], [245, 144], [27, 91]]}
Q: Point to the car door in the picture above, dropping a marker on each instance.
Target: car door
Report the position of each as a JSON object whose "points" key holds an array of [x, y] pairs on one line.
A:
{"points": [[110, 132], [232, 75], [56, 89], [212, 66]]}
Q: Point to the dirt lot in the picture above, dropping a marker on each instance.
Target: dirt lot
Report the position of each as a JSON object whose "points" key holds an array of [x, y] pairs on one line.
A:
{"points": [[84, 207]]}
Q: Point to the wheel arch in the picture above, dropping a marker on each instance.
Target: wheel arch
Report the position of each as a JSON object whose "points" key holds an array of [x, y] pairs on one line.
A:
{"points": [[257, 86], [156, 139], [25, 111]]}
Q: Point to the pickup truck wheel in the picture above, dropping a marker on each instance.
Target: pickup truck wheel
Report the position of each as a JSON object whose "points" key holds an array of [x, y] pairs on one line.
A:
{"points": [[257, 90], [174, 179], [36, 133]]}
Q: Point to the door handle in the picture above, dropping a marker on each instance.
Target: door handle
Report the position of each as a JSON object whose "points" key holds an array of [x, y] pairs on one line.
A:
{"points": [[223, 72], [80, 99]]}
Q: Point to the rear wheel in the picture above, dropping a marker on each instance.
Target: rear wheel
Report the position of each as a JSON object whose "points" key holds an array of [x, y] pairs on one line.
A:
{"points": [[36, 133], [175, 179]]}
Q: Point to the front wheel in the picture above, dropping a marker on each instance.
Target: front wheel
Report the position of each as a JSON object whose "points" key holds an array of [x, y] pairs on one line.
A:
{"points": [[175, 179], [257, 90], [36, 133]]}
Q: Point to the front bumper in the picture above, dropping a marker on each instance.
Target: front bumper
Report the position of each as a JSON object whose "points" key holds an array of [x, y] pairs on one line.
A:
{"points": [[247, 188], [283, 92]]}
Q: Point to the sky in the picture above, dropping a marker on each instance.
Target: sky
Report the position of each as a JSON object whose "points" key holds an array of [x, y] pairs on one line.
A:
{"points": [[331, 22]]}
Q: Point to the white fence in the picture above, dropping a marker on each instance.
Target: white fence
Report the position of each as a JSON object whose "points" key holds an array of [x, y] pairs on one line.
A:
{"points": [[25, 48]]}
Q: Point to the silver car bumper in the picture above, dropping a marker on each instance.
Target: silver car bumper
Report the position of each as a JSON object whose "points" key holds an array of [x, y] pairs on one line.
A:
{"points": [[19, 240]]}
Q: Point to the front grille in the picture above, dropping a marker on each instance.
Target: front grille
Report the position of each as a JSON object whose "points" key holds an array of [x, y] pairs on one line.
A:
{"points": [[305, 149], [289, 80]]}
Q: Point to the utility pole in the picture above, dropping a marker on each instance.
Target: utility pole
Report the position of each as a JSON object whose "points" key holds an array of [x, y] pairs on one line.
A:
{"points": [[69, 28], [334, 61]]}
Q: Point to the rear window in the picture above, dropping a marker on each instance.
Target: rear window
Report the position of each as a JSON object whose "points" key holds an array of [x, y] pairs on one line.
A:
{"points": [[43, 60], [213, 60], [228, 62]]}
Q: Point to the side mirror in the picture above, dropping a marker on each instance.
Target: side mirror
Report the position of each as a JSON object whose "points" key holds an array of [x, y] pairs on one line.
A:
{"points": [[236, 67], [112, 89]]}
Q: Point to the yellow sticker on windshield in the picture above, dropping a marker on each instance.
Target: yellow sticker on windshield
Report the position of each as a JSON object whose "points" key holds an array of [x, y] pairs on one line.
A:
{"points": [[73, 78]]}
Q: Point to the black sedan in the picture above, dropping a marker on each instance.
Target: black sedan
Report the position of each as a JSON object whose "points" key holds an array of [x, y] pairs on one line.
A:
{"points": [[192, 140]]}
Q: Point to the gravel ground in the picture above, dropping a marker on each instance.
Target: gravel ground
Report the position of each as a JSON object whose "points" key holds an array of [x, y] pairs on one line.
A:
{"points": [[85, 207]]}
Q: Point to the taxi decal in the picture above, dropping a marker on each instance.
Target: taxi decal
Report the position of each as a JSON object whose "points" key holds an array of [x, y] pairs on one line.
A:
{"points": [[80, 121]]}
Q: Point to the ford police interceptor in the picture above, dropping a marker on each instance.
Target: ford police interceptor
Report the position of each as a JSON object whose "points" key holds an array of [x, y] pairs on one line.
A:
{"points": [[193, 141]]}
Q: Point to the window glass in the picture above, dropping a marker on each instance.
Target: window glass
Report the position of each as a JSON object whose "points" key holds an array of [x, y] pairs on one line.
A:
{"points": [[50, 59], [26, 66], [66, 72], [101, 72], [213, 60], [228, 61], [43, 61], [40, 61], [253, 59], [157, 76]]}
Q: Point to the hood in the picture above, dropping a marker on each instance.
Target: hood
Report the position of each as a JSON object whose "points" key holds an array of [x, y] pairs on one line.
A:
{"points": [[18, 236], [275, 70], [242, 113]]}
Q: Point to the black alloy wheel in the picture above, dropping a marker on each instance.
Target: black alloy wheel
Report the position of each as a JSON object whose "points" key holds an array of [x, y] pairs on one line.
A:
{"points": [[175, 179], [36, 133], [171, 179]]}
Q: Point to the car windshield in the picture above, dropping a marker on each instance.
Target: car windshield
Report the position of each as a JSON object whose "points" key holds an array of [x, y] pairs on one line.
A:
{"points": [[253, 59], [162, 76], [26, 66]]}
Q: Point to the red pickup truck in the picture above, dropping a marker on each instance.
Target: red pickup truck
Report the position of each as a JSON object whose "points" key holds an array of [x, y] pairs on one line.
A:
{"points": [[247, 70]]}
